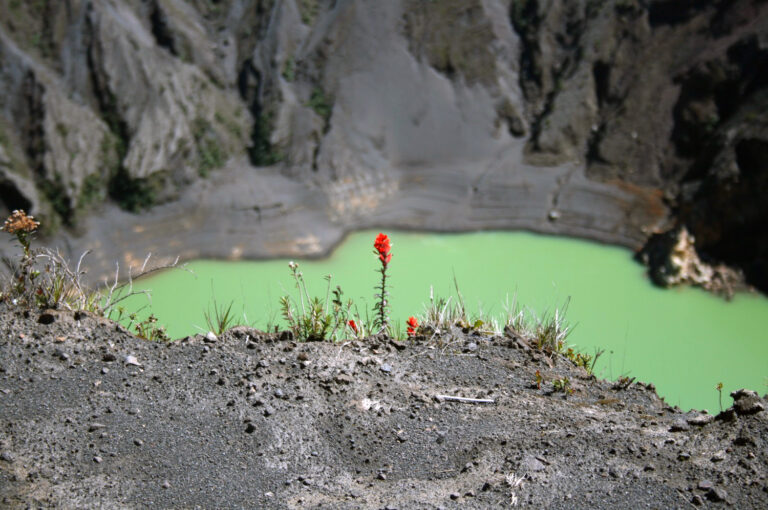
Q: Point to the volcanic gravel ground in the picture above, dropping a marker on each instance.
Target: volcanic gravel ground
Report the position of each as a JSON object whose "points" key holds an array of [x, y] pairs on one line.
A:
{"points": [[91, 416]]}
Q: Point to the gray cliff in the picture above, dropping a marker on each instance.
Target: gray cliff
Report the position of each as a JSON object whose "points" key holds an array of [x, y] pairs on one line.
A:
{"points": [[255, 128]]}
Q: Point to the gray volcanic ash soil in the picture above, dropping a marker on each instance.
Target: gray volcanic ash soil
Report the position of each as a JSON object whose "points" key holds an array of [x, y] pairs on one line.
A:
{"points": [[93, 417]]}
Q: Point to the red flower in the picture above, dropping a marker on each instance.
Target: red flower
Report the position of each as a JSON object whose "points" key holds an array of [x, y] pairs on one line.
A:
{"points": [[352, 325], [383, 248], [412, 325], [382, 243]]}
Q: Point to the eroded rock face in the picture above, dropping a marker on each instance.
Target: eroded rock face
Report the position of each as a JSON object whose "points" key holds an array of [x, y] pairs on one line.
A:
{"points": [[48, 162], [103, 107], [663, 102], [673, 260]]}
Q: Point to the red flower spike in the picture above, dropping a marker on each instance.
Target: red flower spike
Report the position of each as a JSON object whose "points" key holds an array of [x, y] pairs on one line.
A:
{"points": [[382, 243], [352, 325], [383, 248], [412, 325]]}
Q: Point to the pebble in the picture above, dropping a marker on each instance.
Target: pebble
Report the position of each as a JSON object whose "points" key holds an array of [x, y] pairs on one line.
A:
{"points": [[746, 402], [717, 494], [742, 393], [279, 393], [386, 368], [96, 426], [211, 337], [138, 442], [705, 485], [718, 456], [166, 484], [97, 459], [46, 318], [697, 500], [471, 347], [531, 463], [131, 360], [455, 495], [749, 406], [269, 411], [344, 379], [744, 439], [679, 426], [701, 420], [7, 456]]}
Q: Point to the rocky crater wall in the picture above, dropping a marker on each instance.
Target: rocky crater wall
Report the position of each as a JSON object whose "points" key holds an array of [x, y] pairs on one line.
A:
{"points": [[255, 128]]}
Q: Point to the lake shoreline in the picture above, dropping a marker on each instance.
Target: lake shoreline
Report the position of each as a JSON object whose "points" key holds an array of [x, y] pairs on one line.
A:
{"points": [[243, 213]]}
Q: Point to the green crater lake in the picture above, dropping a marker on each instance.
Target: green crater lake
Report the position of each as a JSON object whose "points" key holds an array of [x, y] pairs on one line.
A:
{"points": [[683, 340]]}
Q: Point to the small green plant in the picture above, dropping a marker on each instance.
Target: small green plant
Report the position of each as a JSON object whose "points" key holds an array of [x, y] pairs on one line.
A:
{"points": [[262, 152], [551, 331], [309, 10], [148, 329], [44, 279], [211, 155], [563, 384], [313, 319], [623, 382], [289, 69], [23, 226], [320, 103], [220, 319], [587, 361], [719, 389], [443, 314]]}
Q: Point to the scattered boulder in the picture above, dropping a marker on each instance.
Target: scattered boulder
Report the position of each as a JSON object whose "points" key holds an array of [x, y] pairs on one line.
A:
{"points": [[672, 260]]}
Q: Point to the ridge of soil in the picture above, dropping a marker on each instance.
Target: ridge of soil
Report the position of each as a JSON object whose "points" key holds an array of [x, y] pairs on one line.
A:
{"points": [[91, 416]]}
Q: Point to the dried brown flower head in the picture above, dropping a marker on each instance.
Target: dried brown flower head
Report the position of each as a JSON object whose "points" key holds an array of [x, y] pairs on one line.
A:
{"points": [[18, 221]]}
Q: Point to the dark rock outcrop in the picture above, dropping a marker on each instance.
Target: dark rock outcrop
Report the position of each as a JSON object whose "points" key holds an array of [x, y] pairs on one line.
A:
{"points": [[673, 260]]}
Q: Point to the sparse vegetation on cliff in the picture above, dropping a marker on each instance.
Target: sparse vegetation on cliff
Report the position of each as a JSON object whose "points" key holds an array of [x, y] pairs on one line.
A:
{"points": [[43, 279]]}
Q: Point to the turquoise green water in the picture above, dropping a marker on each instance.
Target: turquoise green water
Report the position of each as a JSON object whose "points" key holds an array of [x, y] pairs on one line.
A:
{"points": [[685, 341]]}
